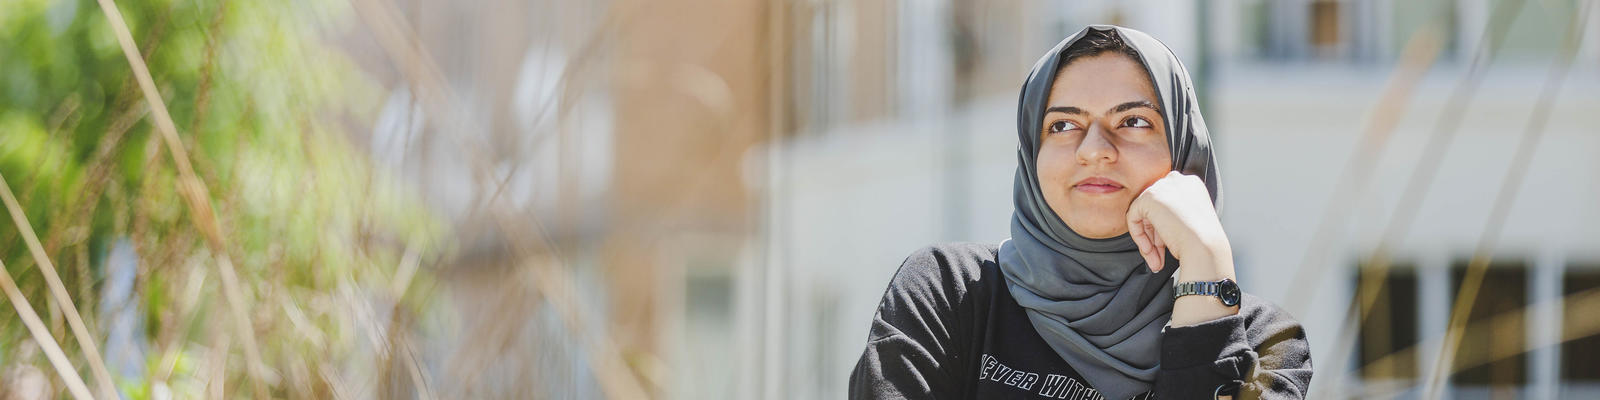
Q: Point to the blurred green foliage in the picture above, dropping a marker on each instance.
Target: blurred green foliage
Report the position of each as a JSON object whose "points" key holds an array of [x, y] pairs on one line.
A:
{"points": [[265, 106]]}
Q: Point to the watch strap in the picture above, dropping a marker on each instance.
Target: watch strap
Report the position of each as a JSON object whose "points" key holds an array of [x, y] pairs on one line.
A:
{"points": [[1201, 288], [1226, 290]]}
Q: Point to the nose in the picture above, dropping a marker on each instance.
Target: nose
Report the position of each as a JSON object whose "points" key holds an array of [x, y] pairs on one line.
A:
{"points": [[1096, 146]]}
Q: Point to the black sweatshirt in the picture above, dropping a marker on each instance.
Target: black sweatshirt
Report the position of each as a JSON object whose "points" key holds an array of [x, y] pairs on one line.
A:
{"points": [[948, 328]]}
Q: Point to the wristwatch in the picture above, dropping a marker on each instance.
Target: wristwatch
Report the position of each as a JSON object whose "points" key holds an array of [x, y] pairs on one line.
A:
{"points": [[1225, 289]]}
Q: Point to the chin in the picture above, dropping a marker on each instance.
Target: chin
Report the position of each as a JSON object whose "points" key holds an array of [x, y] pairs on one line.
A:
{"points": [[1104, 234], [1096, 229]]}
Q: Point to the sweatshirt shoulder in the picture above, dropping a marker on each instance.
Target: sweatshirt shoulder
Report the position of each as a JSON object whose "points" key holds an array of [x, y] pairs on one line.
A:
{"points": [[962, 259], [948, 268], [959, 254]]}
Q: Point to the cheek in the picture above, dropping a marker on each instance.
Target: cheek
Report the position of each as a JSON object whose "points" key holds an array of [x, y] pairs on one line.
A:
{"points": [[1055, 165], [1148, 165]]}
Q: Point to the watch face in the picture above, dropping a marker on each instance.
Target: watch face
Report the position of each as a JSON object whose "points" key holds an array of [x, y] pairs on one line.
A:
{"points": [[1228, 291]]}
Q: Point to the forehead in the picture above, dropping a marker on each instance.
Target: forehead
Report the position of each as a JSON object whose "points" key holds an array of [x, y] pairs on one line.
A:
{"points": [[1100, 81]]}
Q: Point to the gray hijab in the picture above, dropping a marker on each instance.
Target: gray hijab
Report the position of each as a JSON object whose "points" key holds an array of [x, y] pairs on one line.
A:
{"points": [[1094, 300]]}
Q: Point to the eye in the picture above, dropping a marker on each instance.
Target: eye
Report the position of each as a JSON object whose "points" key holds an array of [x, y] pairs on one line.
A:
{"points": [[1136, 122], [1061, 126]]}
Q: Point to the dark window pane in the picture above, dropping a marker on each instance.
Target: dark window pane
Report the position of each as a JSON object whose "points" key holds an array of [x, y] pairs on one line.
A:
{"points": [[1578, 357], [1389, 327], [1501, 298], [1325, 25]]}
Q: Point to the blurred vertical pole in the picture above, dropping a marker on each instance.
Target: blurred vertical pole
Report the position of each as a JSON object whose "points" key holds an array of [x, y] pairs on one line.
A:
{"points": [[962, 52], [923, 76], [772, 283], [1544, 325], [1203, 72], [764, 379], [1433, 298]]}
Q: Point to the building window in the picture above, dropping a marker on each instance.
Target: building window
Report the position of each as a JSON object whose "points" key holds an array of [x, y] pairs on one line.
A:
{"points": [[1495, 325], [1389, 327], [1325, 35], [1579, 363]]}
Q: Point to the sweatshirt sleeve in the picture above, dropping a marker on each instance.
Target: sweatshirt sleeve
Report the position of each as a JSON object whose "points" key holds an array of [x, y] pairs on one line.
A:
{"points": [[1261, 353], [914, 343]]}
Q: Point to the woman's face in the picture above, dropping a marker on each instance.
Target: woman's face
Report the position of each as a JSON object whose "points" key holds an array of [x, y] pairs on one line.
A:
{"points": [[1102, 142]]}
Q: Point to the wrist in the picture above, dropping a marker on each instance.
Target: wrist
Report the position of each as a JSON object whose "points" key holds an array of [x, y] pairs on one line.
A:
{"points": [[1195, 309], [1210, 247], [1208, 265], [1198, 302]]}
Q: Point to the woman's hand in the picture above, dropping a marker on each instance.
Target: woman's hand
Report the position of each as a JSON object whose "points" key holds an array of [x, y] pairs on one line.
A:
{"points": [[1175, 214]]}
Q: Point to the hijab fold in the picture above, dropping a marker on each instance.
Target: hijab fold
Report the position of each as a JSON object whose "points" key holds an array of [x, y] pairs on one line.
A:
{"points": [[1094, 301]]}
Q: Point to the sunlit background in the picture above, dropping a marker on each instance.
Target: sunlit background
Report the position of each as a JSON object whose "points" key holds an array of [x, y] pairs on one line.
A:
{"points": [[701, 199]]}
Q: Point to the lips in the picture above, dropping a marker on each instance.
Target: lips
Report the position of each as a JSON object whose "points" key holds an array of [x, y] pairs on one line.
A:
{"points": [[1097, 185]]}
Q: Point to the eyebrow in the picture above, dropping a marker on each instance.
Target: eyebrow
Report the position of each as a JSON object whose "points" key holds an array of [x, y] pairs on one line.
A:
{"points": [[1119, 108]]}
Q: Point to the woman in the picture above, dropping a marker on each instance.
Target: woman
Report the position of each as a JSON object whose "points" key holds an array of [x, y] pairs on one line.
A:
{"points": [[1115, 186]]}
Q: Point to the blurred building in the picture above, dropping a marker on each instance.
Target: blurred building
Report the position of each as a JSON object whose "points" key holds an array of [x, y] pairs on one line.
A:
{"points": [[609, 140]]}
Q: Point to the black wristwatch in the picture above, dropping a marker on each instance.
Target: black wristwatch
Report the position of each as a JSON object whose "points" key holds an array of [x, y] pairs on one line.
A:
{"points": [[1225, 289]]}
